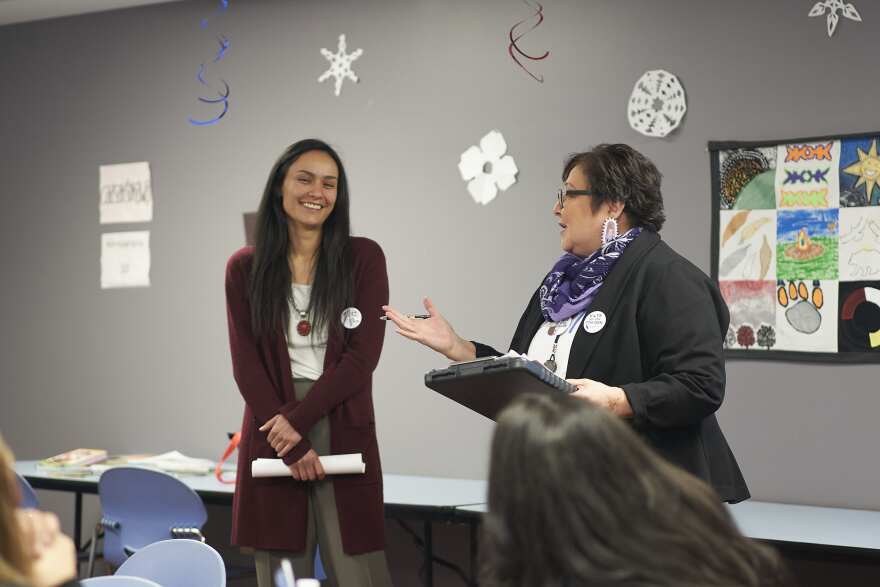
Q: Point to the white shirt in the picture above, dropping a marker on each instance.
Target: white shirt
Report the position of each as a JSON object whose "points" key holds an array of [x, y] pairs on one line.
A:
{"points": [[541, 346], [306, 352]]}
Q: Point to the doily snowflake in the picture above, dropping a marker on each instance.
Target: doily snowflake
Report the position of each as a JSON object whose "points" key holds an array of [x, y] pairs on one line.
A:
{"points": [[832, 7], [657, 104], [487, 169], [340, 64]]}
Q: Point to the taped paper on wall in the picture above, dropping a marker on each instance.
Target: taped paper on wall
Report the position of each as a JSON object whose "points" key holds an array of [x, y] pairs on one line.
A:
{"points": [[125, 259], [125, 193]]}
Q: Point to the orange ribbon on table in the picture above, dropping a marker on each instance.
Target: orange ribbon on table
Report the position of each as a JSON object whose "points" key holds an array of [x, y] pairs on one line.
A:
{"points": [[230, 448]]}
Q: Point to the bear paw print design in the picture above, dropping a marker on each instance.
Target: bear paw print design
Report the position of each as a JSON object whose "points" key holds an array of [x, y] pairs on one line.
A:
{"points": [[803, 306]]}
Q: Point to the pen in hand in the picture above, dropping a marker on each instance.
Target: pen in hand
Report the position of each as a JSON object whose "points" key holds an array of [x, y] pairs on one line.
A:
{"points": [[415, 316]]}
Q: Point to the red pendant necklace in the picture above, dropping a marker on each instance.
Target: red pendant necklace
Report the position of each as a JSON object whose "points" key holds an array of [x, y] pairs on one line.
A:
{"points": [[303, 327]]}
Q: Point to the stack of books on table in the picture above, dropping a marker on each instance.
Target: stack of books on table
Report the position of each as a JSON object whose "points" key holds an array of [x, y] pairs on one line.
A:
{"points": [[83, 462], [173, 462], [75, 462]]}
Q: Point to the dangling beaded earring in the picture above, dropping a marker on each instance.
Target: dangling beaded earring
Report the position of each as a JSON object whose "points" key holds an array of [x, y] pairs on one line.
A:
{"points": [[609, 230]]}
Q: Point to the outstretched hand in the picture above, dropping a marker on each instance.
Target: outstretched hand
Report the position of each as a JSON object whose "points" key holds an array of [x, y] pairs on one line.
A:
{"points": [[433, 332]]}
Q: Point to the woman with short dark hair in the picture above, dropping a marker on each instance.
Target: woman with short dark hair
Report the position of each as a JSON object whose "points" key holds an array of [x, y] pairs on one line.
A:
{"points": [[575, 498], [305, 340], [631, 322], [619, 172]]}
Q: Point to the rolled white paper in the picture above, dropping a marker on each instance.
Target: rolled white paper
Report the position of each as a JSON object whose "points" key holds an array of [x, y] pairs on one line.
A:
{"points": [[333, 465]]}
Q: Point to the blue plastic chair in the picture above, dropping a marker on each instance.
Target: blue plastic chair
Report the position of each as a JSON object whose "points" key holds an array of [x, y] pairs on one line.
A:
{"points": [[142, 506], [320, 575], [177, 563], [28, 497], [118, 581]]}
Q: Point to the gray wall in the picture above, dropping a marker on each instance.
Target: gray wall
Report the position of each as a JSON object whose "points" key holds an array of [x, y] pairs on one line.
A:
{"points": [[148, 369]]}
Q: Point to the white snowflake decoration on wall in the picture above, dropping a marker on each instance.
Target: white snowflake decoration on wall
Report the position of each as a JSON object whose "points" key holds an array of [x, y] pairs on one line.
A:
{"points": [[340, 64], [657, 104], [832, 7], [487, 169]]}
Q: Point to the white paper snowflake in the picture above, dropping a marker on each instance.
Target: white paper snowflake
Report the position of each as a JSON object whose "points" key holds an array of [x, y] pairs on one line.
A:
{"points": [[340, 64], [657, 104], [487, 169], [832, 7]]}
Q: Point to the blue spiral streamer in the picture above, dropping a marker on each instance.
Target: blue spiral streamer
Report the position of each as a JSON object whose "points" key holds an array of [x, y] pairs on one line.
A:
{"points": [[222, 95], [224, 5]]}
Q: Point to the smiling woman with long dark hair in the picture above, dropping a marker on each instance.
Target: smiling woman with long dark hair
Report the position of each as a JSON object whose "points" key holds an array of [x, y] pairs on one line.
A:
{"points": [[333, 282], [305, 337]]}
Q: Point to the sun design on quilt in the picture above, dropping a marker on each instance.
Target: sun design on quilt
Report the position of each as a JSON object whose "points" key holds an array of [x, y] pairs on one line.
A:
{"points": [[803, 306], [867, 169]]}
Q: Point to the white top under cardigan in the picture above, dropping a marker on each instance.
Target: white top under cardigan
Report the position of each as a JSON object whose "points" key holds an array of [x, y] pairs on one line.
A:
{"points": [[542, 344], [306, 352]]}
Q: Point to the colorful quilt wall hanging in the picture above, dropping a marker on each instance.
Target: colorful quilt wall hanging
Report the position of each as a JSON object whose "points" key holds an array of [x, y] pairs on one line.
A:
{"points": [[796, 247]]}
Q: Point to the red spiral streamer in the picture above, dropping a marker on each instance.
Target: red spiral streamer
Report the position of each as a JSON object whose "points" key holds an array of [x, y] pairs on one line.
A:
{"points": [[514, 36]]}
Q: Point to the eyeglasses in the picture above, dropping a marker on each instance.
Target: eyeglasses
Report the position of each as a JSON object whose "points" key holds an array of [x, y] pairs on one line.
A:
{"points": [[564, 192]]}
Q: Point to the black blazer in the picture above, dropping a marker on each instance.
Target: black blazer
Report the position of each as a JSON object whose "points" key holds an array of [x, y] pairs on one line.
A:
{"points": [[662, 343]]}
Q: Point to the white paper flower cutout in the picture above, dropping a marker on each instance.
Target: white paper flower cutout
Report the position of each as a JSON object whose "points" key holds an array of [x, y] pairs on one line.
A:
{"points": [[833, 7], [487, 169], [657, 104]]}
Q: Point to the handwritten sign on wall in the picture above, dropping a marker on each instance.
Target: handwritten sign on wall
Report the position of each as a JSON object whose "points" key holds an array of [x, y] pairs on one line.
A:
{"points": [[125, 259], [125, 193]]}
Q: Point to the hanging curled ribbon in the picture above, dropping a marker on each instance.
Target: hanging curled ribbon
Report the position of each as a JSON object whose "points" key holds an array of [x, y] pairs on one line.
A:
{"points": [[224, 45], [224, 5], [222, 95], [514, 36]]}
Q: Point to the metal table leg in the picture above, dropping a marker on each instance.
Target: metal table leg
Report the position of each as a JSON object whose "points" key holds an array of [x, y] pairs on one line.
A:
{"points": [[429, 555], [474, 545], [77, 521]]}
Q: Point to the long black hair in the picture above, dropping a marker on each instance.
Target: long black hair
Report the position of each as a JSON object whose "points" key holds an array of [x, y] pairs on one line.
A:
{"points": [[333, 285], [576, 498]]}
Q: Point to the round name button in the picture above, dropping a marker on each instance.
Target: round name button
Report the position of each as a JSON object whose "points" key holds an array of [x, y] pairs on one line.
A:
{"points": [[351, 318], [594, 322]]}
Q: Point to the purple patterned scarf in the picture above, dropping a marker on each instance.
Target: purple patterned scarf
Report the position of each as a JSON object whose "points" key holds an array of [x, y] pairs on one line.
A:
{"points": [[573, 282]]}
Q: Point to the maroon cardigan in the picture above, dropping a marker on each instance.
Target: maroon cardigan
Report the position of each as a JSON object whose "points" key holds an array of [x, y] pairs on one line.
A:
{"points": [[271, 513]]}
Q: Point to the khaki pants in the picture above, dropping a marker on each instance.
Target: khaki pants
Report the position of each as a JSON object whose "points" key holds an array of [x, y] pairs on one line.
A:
{"points": [[343, 570]]}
